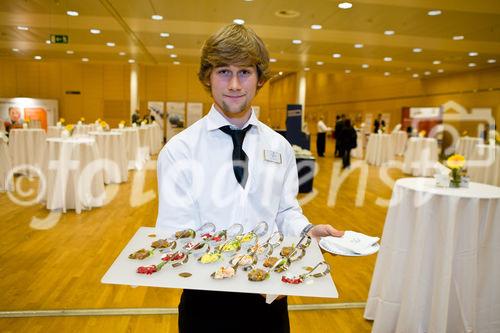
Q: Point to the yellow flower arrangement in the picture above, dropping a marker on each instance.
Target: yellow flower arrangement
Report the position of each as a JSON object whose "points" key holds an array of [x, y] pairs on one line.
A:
{"points": [[122, 122], [455, 162], [497, 137], [422, 133], [103, 124], [465, 133], [62, 120], [82, 119], [69, 128]]}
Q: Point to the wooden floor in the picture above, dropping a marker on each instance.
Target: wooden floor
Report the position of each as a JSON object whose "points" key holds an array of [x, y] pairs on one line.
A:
{"points": [[57, 261]]}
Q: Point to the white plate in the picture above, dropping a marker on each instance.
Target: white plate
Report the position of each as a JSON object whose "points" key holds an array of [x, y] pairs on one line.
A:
{"points": [[336, 250]]}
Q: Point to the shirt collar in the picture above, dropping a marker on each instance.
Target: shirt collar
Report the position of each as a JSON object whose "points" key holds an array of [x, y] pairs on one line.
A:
{"points": [[215, 120]]}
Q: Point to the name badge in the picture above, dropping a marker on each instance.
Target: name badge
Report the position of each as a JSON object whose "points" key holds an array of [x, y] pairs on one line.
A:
{"points": [[272, 156]]}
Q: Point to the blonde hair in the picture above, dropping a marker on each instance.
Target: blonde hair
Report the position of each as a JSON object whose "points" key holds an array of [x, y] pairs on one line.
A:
{"points": [[235, 44]]}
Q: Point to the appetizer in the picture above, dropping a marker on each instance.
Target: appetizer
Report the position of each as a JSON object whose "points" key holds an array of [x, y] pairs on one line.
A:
{"points": [[209, 258], [161, 244], [140, 254], [270, 261], [223, 273], [257, 275], [188, 233]]}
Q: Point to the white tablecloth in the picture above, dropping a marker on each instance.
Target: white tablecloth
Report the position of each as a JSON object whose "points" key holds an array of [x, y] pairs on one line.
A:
{"points": [[113, 152], [54, 131], [146, 139], [484, 165], [439, 263], [420, 157], [465, 146], [74, 179], [35, 123], [27, 147], [156, 138], [84, 129], [399, 139], [379, 149], [5, 167], [136, 156]]}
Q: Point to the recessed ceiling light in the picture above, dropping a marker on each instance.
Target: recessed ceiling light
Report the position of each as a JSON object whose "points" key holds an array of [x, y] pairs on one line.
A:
{"points": [[491, 61], [417, 50], [471, 64], [297, 41], [169, 46], [85, 59], [48, 41], [110, 44], [415, 75], [157, 17], [336, 55], [164, 34], [70, 52], [319, 63], [239, 21], [408, 69], [387, 73], [176, 63], [306, 69], [131, 61], [272, 60], [347, 71], [434, 12], [37, 57], [345, 5], [427, 73], [458, 37], [22, 27], [173, 56], [440, 70], [72, 13], [17, 50], [316, 26], [436, 62], [280, 73], [121, 53], [358, 46], [95, 31], [389, 32], [473, 54], [365, 65], [387, 59]]}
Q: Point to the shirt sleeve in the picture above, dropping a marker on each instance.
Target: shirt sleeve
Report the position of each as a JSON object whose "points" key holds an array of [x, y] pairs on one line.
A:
{"points": [[176, 207], [322, 127], [290, 219]]}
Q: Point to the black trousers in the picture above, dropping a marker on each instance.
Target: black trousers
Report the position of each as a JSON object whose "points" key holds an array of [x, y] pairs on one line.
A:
{"points": [[216, 311], [346, 158], [320, 144]]}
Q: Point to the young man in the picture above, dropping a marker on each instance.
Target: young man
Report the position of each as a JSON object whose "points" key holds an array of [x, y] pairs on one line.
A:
{"points": [[321, 136], [230, 168]]}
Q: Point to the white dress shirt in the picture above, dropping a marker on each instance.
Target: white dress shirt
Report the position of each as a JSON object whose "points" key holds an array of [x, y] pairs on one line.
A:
{"points": [[196, 182], [322, 128]]}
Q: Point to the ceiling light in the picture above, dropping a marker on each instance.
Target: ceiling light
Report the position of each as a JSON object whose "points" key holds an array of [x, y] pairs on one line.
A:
{"points": [[37, 57], [365, 65], [387, 59], [48, 41], [272, 60], [345, 5], [239, 21], [389, 32], [176, 63], [17, 50], [169, 46], [347, 71], [297, 41], [280, 73], [427, 73], [387, 74], [336, 55], [415, 75], [440, 70], [173, 56], [434, 12], [408, 69], [319, 63], [85, 59], [95, 31], [473, 54], [164, 34], [358, 46], [490, 61], [121, 53], [72, 13], [417, 50], [316, 27], [471, 64], [157, 17], [458, 37], [306, 69], [22, 27], [436, 62], [131, 61], [110, 44], [70, 52]]}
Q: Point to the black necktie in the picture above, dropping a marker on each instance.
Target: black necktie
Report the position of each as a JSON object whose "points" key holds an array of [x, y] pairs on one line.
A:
{"points": [[240, 159]]}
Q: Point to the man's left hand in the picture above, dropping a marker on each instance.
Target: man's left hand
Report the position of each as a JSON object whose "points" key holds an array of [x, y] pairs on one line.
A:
{"points": [[324, 230]]}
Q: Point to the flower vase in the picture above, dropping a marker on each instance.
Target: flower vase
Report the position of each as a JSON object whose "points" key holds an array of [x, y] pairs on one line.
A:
{"points": [[456, 178]]}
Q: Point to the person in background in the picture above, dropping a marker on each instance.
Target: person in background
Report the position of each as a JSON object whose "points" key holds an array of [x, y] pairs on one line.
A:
{"points": [[347, 141], [136, 117], [321, 137], [220, 168], [15, 120], [379, 123], [339, 124]]}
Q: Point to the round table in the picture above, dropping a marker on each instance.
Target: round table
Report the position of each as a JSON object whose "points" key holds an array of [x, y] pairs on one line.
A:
{"points": [[465, 146], [135, 156], [5, 165], [484, 165], [399, 139], [74, 177], [27, 149], [54, 131], [83, 129], [438, 265], [113, 152], [420, 157], [146, 139], [379, 149]]}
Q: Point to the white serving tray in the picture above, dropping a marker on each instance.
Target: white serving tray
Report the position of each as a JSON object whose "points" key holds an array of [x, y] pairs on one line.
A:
{"points": [[123, 271]]}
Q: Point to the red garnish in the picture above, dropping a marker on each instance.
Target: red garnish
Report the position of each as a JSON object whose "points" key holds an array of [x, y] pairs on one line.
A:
{"points": [[173, 256], [291, 280], [147, 269]]}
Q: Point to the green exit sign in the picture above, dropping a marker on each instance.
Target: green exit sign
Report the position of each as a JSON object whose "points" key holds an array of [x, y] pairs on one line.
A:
{"points": [[59, 39]]}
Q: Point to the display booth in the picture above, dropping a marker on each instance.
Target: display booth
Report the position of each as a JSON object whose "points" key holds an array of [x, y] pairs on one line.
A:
{"points": [[19, 110]]}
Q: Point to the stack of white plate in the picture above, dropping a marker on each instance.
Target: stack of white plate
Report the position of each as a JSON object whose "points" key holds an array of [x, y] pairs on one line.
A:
{"points": [[351, 244]]}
